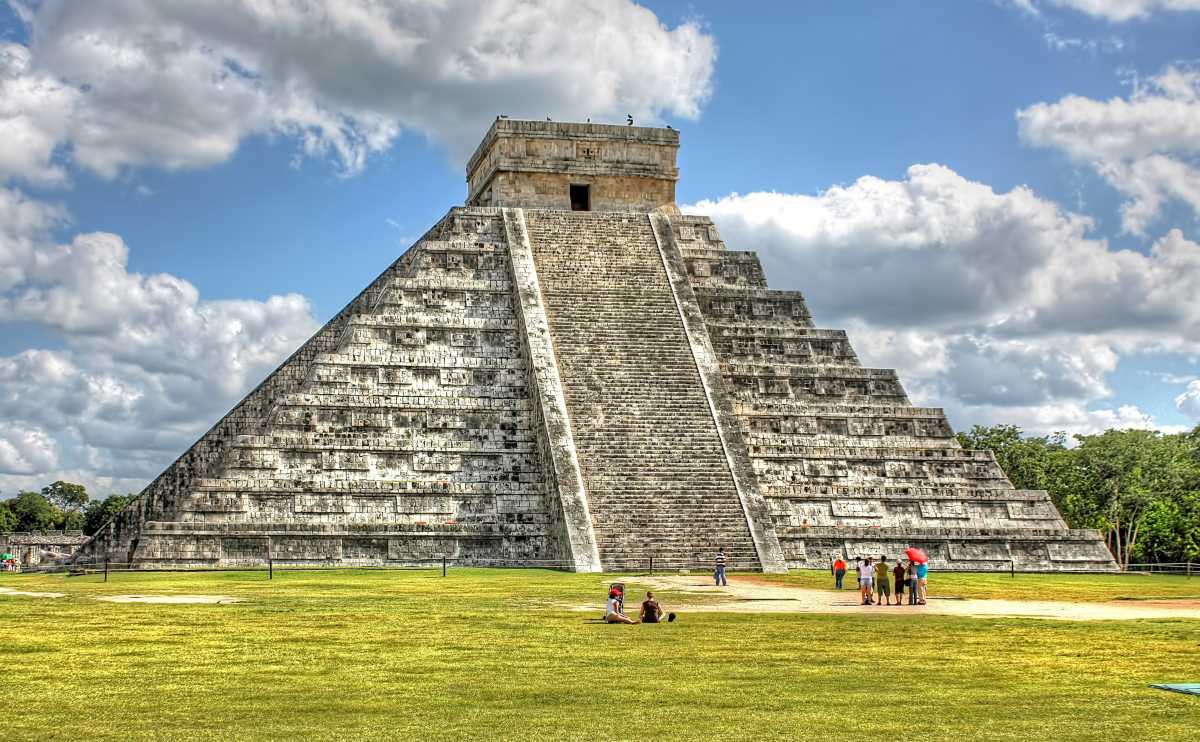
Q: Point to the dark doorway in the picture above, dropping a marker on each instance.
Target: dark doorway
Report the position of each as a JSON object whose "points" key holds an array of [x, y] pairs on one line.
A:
{"points": [[581, 198]]}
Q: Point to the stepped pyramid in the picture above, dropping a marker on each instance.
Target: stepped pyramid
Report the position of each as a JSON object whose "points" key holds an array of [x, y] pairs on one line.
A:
{"points": [[569, 372]]}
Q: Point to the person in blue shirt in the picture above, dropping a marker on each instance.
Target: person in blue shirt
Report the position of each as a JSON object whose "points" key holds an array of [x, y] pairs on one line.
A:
{"points": [[922, 571]]}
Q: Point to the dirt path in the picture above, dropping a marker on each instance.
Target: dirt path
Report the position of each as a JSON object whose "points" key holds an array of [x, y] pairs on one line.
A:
{"points": [[27, 594], [747, 595]]}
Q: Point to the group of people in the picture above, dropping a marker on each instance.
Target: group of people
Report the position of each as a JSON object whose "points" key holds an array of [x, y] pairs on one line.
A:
{"points": [[875, 580], [651, 611]]}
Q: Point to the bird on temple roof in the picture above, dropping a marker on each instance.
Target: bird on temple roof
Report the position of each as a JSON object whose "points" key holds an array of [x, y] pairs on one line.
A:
{"points": [[629, 119]]}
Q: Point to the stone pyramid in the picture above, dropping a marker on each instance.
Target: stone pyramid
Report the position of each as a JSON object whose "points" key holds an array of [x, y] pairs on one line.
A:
{"points": [[568, 372]]}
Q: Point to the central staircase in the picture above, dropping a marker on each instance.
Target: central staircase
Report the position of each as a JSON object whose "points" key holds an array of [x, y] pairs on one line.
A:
{"points": [[656, 473]]}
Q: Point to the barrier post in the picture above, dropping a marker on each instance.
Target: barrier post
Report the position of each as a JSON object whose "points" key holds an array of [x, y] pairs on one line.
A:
{"points": [[1189, 568], [106, 570], [1012, 568], [443, 565], [270, 561], [651, 565]]}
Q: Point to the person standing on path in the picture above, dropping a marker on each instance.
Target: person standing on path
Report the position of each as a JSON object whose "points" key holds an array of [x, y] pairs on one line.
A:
{"points": [[912, 582], [883, 585], [899, 574], [839, 572], [866, 575], [922, 573], [719, 573]]}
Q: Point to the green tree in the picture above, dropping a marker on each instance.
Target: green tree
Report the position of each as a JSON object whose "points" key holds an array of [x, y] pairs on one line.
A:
{"points": [[65, 496], [8, 519], [33, 512], [1026, 461], [99, 512]]}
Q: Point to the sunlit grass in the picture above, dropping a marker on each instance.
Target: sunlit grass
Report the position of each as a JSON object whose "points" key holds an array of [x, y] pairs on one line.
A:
{"points": [[490, 654]]}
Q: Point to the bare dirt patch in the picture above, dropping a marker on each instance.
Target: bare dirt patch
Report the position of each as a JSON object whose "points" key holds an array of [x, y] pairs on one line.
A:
{"points": [[171, 599], [27, 594], [748, 595]]}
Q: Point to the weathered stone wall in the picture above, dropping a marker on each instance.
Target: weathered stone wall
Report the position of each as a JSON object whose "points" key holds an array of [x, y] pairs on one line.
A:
{"points": [[31, 548], [846, 463], [531, 164], [403, 431], [552, 191]]}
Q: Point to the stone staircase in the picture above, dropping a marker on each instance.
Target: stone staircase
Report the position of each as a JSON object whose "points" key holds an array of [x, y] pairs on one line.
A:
{"points": [[846, 463], [656, 473]]}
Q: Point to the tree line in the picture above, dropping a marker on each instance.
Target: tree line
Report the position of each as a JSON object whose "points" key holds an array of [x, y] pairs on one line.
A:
{"points": [[1139, 488], [59, 506]]}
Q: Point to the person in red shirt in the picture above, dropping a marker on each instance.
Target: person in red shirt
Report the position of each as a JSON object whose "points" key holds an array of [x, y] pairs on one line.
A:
{"points": [[839, 571]]}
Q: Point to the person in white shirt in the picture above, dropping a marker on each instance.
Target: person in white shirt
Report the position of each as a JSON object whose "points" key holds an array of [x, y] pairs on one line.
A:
{"points": [[613, 612], [866, 580]]}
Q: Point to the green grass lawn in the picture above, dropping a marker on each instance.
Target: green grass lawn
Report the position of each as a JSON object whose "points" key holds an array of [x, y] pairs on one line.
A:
{"points": [[493, 654]]}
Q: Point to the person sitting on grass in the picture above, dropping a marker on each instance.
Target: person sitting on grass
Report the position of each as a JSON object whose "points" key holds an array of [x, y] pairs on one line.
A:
{"points": [[651, 611], [613, 612]]}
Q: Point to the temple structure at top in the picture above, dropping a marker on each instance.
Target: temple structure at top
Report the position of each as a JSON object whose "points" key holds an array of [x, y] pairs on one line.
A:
{"points": [[574, 167], [567, 371]]}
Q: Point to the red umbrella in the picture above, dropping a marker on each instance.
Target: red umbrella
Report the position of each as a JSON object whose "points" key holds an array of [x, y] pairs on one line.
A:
{"points": [[916, 555]]}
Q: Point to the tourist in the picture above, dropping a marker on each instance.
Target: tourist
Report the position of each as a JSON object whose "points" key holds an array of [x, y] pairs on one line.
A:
{"points": [[651, 611], [883, 583], [719, 573], [839, 572], [866, 574], [613, 612], [899, 574], [922, 572], [912, 582]]}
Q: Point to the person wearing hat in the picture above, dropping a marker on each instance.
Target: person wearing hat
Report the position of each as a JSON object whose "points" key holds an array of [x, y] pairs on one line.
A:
{"points": [[613, 612]]}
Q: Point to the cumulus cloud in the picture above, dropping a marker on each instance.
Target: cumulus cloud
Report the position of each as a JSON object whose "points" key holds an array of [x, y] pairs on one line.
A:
{"points": [[1146, 146], [1189, 402], [999, 306], [147, 364], [180, 83]]}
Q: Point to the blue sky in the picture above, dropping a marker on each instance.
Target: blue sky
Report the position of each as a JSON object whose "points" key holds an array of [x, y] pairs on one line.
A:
{"points": [[278, 174]]}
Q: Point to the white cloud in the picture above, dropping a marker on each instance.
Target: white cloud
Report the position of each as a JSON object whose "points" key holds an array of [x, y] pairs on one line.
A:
{"points": [[1116, 11], [180, 83], [1146, 146], [1189, 402], [147, 364], [34, 110], [1106, 45], [25, 451], [999, 306], [1122, 10]]}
